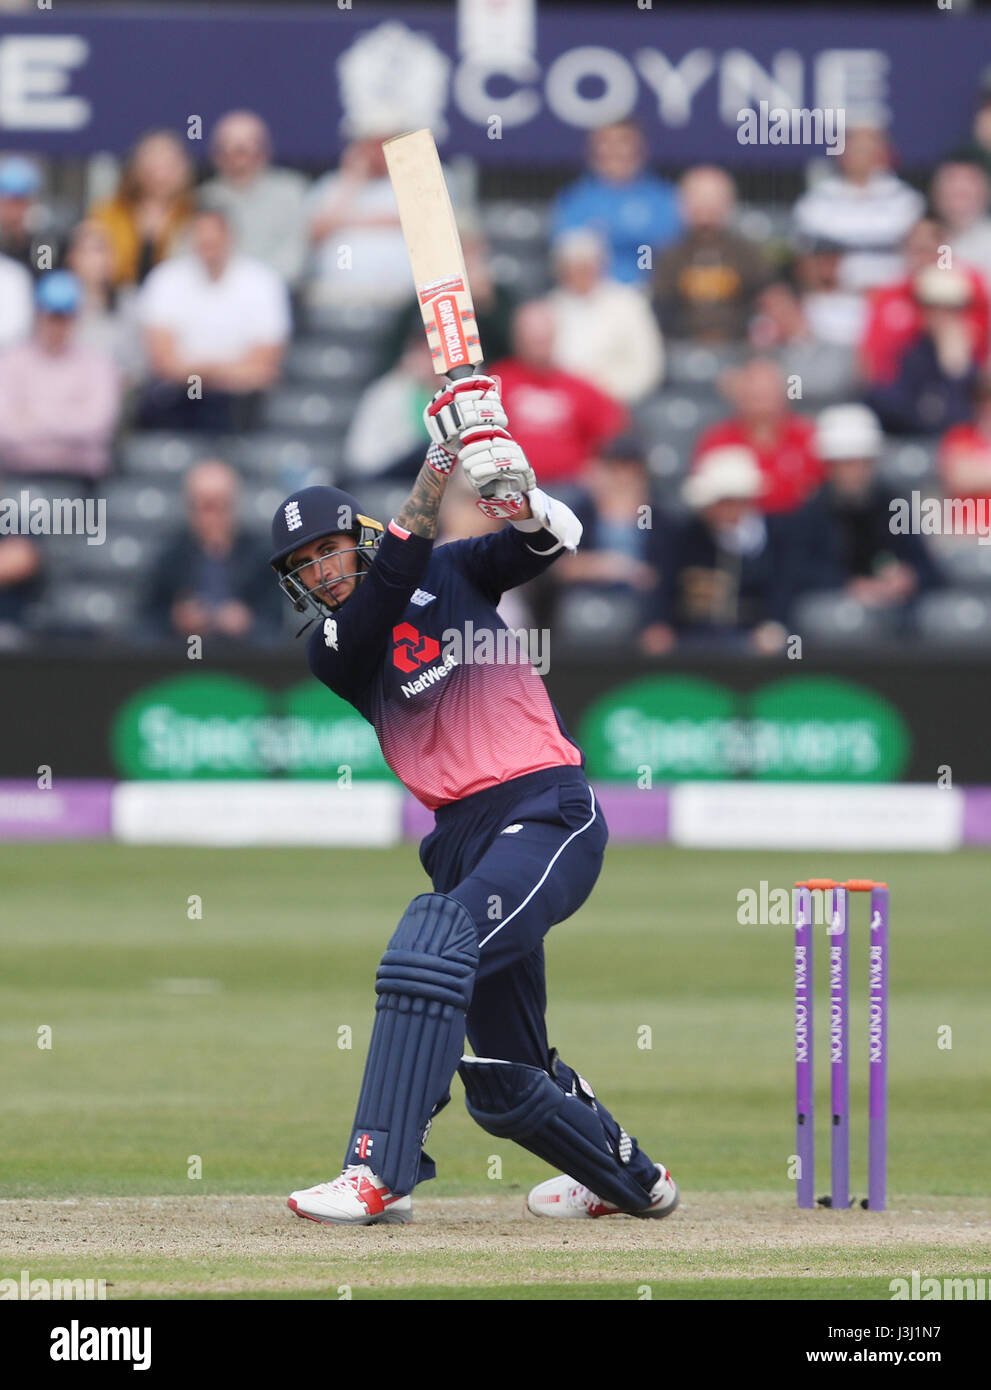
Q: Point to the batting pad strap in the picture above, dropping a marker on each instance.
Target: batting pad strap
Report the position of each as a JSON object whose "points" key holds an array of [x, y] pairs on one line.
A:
{"points": [[424, 987], [421, 976], [522, 1103]]}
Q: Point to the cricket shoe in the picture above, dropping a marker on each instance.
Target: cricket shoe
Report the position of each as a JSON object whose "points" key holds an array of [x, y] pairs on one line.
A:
{"points": [[356, 1198], [564, 1197]]}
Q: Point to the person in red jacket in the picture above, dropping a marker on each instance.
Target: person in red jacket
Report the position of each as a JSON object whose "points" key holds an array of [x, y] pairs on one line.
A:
{"points": [[559, 418], [894, 318], [783, 440], [965, 450]]}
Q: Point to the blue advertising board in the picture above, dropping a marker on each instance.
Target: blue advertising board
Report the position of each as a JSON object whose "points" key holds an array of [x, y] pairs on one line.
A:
{"points": [[75, 80]]}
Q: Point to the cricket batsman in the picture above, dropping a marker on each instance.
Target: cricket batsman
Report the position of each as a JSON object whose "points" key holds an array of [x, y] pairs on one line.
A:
{"points": [[518, 840]]}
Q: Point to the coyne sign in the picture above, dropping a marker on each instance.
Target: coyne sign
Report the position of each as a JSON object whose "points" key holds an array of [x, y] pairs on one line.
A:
{"points": [[78, 80]]}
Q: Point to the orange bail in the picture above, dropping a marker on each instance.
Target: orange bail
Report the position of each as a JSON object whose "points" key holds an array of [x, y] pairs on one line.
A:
{"points": [[852, 885]]}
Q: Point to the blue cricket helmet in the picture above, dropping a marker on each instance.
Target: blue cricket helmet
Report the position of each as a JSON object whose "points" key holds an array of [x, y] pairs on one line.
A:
{"points": [[308, 515]]}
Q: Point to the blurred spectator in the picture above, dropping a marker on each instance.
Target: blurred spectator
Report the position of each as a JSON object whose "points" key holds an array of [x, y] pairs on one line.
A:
{"points": [[865, 208], [494, 305], [559, 420], [782, 440], [604, 331], [107, 317], [212, 579], [894, 318], [386, 437], [933, 385], [843, 539], [20, 563], [359, 255], [835, 315], [218, 316], [59, 400], [782, 326], [727, 574], [16, 306], [147, 216], [631, 209], [265, 206], [622, 542], [965, 450], [27, 233], [705, 283], [960, 194]]}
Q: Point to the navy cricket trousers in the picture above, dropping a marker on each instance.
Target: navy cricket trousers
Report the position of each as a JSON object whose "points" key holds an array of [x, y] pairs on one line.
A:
{"points": [[519, 856]]}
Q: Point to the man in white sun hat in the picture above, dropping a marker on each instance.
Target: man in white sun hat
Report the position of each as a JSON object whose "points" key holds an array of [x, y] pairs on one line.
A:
{"points": [[843, 539], [727, 580]]}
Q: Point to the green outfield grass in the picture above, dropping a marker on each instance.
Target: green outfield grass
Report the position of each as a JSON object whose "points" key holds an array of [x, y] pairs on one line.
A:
{"points": [[218, 1038]]}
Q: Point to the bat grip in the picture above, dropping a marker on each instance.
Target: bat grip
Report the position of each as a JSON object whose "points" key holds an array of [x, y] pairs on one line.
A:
{"points": [[456, 373]]}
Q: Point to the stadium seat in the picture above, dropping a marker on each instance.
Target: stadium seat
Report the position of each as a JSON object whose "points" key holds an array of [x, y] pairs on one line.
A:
{"points": [[122, 556], [257, 507], [294, 462], [596, 619], [764, 222], [908, 461], [836, 619], [526, 275], [666, 462], [695, 367], [132, 502], [963, 560], [676, 420], [86, 610], [158, 452], [350, 323], [519, 224], [321, 361], [954, 618], [306, 411]]}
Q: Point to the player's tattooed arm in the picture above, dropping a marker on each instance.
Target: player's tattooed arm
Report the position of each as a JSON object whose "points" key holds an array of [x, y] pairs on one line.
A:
{"points": [[419, 512]]}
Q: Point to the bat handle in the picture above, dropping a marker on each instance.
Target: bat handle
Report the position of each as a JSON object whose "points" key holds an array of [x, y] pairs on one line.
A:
{"points": [[456, 373]]}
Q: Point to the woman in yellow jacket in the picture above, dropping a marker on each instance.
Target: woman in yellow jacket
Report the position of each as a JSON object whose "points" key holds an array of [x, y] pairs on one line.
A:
{"points": [[146, 217]]}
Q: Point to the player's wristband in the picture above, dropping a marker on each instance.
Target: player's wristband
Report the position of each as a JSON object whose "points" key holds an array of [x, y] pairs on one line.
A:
{"points": [[440, 460]]}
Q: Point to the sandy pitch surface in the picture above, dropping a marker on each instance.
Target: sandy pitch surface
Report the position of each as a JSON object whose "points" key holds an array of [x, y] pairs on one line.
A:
{"points": [[256, 1243]]}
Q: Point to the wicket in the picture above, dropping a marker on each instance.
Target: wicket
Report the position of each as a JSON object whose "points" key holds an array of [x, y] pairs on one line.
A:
{"points": [[839, 1042]]}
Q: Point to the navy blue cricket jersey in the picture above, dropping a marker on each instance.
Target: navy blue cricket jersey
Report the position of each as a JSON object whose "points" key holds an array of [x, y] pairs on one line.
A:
{"points": [[448, 725]]}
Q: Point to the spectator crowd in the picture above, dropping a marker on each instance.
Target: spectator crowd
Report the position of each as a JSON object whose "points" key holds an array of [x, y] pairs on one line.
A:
{"points": [[730, 396]]}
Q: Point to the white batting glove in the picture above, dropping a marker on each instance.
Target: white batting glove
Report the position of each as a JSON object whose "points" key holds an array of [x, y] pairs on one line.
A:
{"points": [[465, 404], [494, 464], [548, 514]]}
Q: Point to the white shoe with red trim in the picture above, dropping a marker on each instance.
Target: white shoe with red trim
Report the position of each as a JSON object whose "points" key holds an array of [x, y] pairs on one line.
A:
{"points": [[563, 1197], [356, 1198]]}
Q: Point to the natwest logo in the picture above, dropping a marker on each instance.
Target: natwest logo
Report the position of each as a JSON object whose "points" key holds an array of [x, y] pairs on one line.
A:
{"points": [[412, 648]]}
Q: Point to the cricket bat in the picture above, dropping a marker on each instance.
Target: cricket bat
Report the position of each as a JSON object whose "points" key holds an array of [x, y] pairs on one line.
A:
{"points": [[435, 254]]}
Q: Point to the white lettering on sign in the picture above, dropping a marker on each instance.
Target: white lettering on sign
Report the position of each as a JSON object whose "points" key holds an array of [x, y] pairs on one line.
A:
{"points": [[35, 72]]}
